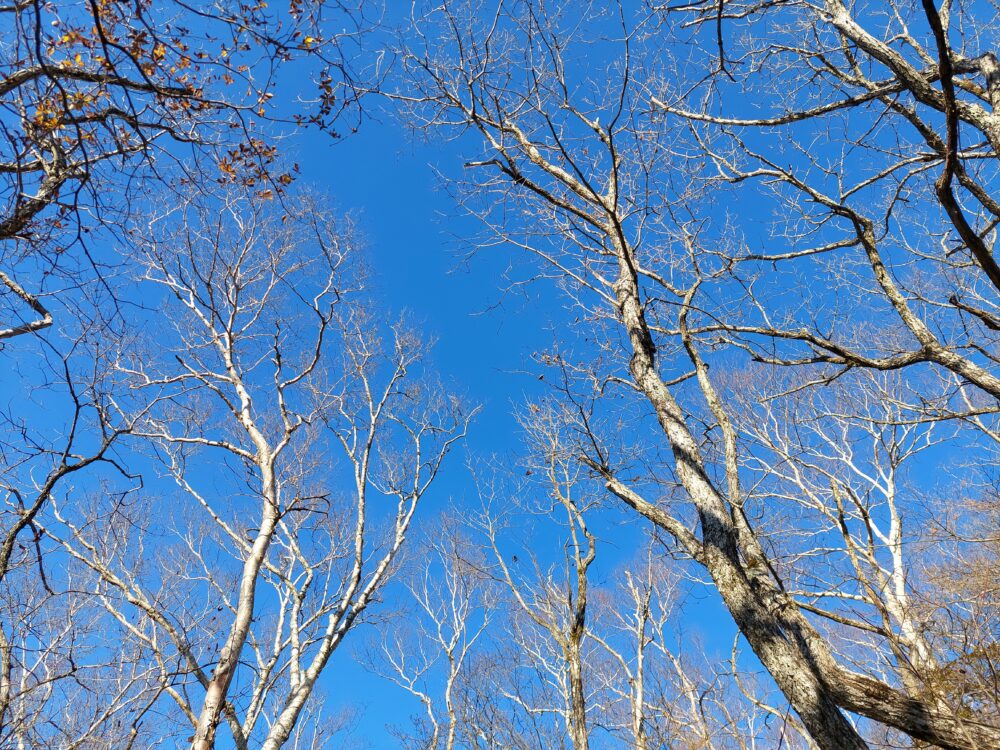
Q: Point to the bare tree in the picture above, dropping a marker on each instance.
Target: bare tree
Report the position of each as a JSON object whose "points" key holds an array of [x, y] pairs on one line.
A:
{"points": [[94, 95], [501, 653], [300, 446], [44, 664], [486, 674], [661, 703], [623, 204], [549, 622], [429, 652]]}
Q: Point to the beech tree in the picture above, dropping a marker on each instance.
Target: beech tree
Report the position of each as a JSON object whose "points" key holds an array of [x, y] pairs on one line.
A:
{"points": [[299, 442], [96, 97], [98, 100], [845, 231], [44, 662], [429, 652]]}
